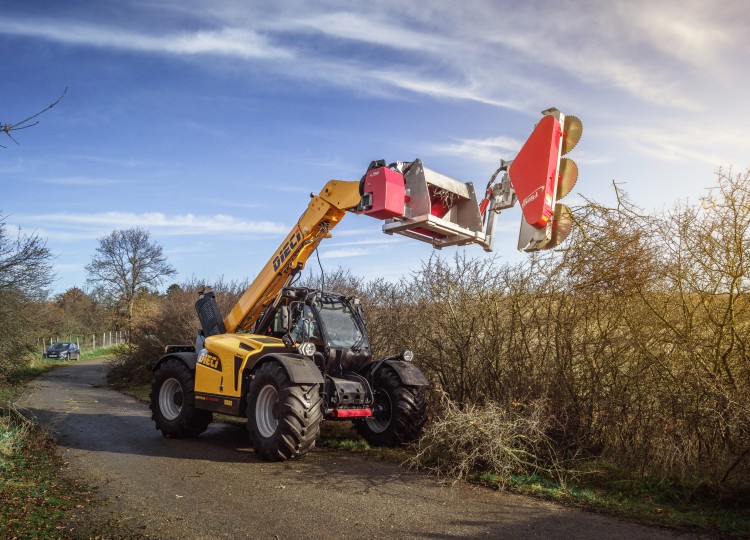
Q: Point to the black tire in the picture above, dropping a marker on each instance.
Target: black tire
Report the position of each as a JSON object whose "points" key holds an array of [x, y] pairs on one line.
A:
{"points": [[400, 411], [173, 401], [283, 417]]}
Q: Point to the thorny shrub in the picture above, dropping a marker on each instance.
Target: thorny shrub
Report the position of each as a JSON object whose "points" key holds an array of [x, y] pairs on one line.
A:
{"points": [[166, 320], [635, 337], [488, 438]]}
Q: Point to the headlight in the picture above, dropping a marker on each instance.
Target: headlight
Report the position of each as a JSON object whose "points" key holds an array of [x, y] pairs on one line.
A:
{"points": [[407, 355], [307, 348]]}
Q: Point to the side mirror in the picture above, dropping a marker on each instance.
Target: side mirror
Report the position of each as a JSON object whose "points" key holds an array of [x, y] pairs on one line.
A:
{"points": [[284, 318]]}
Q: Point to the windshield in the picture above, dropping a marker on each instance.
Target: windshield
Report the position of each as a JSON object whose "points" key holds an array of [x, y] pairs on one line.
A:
{"points": [[305, 328], [340, 322]]}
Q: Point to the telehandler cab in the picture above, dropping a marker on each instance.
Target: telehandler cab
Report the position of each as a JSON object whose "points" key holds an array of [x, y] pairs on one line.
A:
{"points": [[287, 357]]}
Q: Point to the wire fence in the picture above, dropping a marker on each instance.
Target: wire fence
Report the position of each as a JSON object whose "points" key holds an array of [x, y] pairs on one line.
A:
{"points": [[87, 342]]}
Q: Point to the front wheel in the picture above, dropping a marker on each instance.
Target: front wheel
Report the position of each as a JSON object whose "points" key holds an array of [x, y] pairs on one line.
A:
{"points": [[399, 411], [283, 417], [173, 401]]}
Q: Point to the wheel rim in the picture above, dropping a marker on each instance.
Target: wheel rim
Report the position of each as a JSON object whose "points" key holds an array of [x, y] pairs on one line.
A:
{"points": [[265, 419], [170, 399], [380, 423]]}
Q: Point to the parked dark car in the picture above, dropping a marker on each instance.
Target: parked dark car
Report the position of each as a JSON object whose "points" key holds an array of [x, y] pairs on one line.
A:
{"points": [[63, 350]]}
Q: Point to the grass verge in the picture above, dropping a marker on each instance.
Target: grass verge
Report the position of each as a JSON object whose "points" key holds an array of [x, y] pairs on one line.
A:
{"points": [[101, 353], [646, 500], [35, 500]]}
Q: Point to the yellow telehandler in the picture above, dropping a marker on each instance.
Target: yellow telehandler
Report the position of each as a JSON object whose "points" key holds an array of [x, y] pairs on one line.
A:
{"points": [[287, 357]]}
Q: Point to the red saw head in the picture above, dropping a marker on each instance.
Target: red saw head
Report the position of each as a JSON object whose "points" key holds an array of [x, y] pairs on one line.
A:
{"points": [[533, 173]]}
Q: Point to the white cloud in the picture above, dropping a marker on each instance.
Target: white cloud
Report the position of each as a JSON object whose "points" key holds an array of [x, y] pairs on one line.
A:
{"points": [[199, 247], [594, 59], [340, 253], [68, 268], [711, 144], [658, 53], [487, 150], [186, 224], [282, 188], [116, 162], [351, 232], [438, 88], [233, 42], [693, 33], [80, 181], [385, 240], [229, 203], [372, 30]]}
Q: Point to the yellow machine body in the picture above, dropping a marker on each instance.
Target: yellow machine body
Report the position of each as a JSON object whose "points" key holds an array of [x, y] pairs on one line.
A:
{"points": [[219, 369]]}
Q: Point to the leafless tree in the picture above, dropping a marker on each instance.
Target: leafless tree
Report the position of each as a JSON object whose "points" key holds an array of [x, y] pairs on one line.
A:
{"points": [[24, 263], [25, 274], [126, 263]]}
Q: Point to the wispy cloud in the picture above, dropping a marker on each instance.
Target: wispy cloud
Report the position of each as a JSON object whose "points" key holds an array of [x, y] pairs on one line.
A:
{"points": [[185, 224], [234, 42], [229, 203], [80, 181], [68, 268], [103, 160], [341, 253], [282, 188], [600, 61], [488, 150], [691, 34], [712, 145], [251, 43], [199, 247], [385, 240], [656, 53], [351, 26]]}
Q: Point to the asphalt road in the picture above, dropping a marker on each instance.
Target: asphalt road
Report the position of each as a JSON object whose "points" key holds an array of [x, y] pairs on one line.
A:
{"points": [[214, 487]]}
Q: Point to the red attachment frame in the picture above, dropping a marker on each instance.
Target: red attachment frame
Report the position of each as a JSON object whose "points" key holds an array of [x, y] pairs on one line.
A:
{"points": [[351, 413], [388, 193], [533, 172]]}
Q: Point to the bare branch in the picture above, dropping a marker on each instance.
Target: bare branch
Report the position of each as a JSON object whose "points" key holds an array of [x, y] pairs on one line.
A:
{"points": [[8, 128]]}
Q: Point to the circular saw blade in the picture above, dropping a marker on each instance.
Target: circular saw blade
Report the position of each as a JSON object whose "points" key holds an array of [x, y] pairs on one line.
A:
{"points": [[562, 222], [572, 131], [567, 177]]}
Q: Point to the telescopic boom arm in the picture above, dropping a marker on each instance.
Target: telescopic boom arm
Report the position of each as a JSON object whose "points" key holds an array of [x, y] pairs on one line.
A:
{"points": [[323, 213], [425, 205]]}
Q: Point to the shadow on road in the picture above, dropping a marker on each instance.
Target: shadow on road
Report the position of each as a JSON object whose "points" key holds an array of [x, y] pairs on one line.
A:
{"points": [[135, 434], [157, 482]]}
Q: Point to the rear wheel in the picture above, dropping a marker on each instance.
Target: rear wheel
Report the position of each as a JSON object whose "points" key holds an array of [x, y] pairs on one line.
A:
{"points": [[399, 411], [173, 401], [283, 417]]}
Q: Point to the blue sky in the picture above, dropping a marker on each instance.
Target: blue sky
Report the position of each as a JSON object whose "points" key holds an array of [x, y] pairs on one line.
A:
{"points": [[210, 123]]}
